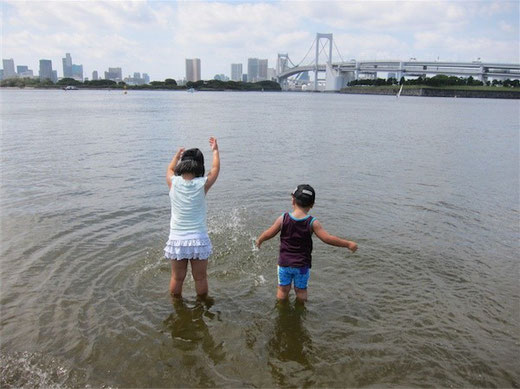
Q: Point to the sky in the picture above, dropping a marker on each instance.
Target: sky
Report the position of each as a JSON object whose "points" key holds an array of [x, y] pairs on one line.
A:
{"points": [[156, 37]]}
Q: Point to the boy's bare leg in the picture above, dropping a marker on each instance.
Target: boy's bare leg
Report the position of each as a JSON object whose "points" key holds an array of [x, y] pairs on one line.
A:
{"points": [[199, 269], [283, 292], [179, 268], [301, 294]]}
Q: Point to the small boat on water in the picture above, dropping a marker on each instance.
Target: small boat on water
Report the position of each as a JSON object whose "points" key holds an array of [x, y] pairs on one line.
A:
{"points": [[191, 90], [70, 87]]}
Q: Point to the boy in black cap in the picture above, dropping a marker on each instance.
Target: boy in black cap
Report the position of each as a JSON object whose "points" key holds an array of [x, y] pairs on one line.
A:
{"points": [[296, 229]]}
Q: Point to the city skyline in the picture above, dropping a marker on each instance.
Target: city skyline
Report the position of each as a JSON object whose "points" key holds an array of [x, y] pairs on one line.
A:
{"points": [[74, 71], [157, 37]]}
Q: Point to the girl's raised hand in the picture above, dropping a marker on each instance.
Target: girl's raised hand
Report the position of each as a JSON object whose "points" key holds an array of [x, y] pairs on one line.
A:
{"points": [[213, 143], [179, 152]]}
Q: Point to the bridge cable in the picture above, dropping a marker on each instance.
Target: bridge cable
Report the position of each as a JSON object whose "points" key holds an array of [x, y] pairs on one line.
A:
{"points": [[292, 63], [310, 48], [342, 60], [323, 47], [321, 51]]}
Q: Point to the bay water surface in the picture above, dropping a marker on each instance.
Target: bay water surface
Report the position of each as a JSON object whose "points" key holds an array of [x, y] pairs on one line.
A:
{"points": [[428, 188]]}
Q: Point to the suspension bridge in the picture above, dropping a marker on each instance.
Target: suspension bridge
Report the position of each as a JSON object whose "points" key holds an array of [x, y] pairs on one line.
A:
{"points": [[332, 76]]}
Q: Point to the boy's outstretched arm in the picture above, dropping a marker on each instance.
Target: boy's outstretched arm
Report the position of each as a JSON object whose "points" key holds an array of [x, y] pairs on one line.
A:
{"points": [[331, 239], [270, 232], [215, 167]]}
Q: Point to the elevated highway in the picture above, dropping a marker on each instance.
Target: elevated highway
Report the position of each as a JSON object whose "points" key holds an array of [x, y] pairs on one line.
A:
{"points": [[353, 70]]}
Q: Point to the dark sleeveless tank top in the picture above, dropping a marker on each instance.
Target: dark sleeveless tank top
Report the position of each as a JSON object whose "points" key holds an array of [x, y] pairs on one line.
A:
{"points": [[296, 242]]}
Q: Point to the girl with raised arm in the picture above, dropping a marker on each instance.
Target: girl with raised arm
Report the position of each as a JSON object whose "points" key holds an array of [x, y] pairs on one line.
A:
{"points": [[188, 239]]}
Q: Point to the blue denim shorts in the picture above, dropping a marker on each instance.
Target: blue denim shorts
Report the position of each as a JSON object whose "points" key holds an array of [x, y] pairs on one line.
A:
{"points": [[300, 276]]}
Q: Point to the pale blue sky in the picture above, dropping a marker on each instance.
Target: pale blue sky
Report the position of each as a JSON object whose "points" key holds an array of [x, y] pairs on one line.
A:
{"points": [[156, 36]]}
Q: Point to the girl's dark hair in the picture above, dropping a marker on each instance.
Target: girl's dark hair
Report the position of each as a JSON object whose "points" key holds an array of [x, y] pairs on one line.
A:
{"points": [[192, 162]]}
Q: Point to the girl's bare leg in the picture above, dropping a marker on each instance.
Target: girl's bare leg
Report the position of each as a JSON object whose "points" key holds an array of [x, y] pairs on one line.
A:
{"points": [[199, 269], [179, 268], [283, 292]]}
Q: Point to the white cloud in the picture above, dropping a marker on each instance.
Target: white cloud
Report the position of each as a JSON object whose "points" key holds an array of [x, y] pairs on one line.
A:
{"points": [[506, 27], [386, 16], [84, 15], [156, 36], [371, 46], [467, 48]]}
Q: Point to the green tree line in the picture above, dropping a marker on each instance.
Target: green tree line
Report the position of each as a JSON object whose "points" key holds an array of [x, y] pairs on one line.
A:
{"points": [[436, 81], [168, 83]]}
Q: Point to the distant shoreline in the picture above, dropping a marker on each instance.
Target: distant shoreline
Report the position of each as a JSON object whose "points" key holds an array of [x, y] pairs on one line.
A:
{"points": [[138, 90], [357, 90], [423, 91]]}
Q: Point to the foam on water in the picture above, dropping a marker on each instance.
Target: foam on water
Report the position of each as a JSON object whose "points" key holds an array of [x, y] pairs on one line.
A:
{"points": [[34, 370]]}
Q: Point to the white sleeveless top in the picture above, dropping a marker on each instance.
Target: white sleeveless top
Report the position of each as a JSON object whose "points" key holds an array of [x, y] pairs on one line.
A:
{"points": [[188, 204]]}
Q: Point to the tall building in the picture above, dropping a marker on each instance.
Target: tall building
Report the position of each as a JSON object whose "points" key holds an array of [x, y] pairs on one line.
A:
{"points": [[71, 70], [67, 66], [77, 72], [114, 74], [271, 74], [137, 79], [54, 77], [262, 69], [95, 75], [24, 71], [236, 71], [146, 78], [8, 68], [193, 69], [252, 69], [45, 69]]}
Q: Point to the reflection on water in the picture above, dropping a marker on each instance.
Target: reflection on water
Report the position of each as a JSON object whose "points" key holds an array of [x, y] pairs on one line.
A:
{"points": [[290, 347], [192, 337]]}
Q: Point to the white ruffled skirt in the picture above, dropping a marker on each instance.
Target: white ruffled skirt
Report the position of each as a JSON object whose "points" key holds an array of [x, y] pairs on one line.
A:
{"points": [[188, 246]]}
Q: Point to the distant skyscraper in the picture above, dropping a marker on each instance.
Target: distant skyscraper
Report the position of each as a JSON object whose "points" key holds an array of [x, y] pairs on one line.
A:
{"points": [[67, 66], [27, 74], [45, 69], [8, 68], [262, 69], [24, 72], [271, 74], [137, 79], [236, 71], [114, 74], [77, 72], [244, 77], [54, 76], [252, 69], [193, 69], [95, 75]]}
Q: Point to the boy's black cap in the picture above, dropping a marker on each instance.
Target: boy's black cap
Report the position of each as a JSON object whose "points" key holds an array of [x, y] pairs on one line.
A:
{"points": [[305, 194]]}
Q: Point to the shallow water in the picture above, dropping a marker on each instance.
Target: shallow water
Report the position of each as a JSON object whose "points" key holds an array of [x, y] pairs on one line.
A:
{"points": [[428, 187]]}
